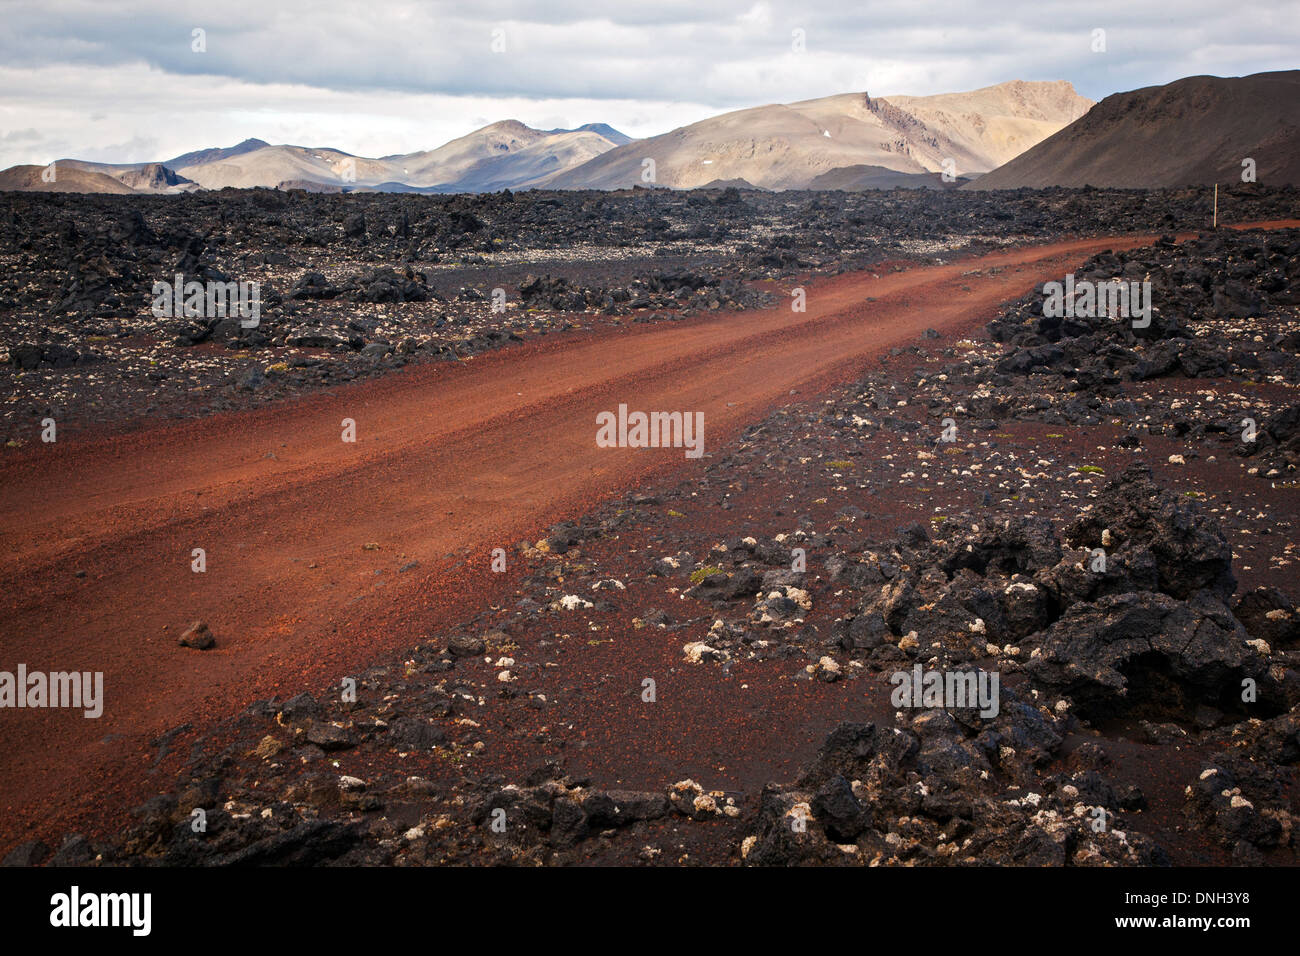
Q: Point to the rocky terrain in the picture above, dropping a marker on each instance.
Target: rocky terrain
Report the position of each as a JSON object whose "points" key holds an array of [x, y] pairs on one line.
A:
{"points": [[1077, 506], [354, 286]]}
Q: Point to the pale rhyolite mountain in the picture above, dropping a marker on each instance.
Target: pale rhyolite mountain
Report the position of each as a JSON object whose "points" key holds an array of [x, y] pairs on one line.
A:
{"points": [[1194, 131], [502, 155], [78, 176], [789, 146], [499, 156], [137, 177], [271, 165], [62, 179], [773, 147]]}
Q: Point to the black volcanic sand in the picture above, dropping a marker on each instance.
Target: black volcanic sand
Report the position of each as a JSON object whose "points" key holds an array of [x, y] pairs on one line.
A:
{"points": [[1122, 735], [353, 286]]}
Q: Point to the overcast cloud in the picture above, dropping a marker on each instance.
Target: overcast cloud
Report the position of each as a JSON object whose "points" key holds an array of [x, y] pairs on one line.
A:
{"points": [[121, 82]]}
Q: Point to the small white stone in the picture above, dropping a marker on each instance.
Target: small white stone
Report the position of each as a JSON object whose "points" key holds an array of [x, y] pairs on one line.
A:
{"points": [[696, 651]]}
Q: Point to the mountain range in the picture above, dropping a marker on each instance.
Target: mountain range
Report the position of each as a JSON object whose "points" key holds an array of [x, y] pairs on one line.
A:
{"points": [[1011, 135], [789, 146], [771, 147]]}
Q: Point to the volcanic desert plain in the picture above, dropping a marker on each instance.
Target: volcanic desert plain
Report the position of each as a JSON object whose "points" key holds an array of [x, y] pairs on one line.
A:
{"points": [[879, 481]]}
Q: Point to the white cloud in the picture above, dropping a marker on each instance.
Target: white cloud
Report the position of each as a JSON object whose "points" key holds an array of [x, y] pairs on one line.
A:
{"points": [[385, 76], [105, 122]]}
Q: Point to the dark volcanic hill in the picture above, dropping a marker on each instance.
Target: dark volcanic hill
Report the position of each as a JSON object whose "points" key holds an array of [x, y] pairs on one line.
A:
{"points": [[859, 177], [1194, 131], [216, 154]]}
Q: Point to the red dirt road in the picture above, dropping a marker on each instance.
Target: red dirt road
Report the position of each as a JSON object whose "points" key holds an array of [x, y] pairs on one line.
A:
{"points": [[450, 461]]}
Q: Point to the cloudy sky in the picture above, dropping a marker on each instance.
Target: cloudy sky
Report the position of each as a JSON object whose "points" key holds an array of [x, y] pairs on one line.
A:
{"points": [[130, 80]]}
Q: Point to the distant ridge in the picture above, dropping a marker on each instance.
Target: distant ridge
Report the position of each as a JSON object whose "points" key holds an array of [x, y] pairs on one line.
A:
{"points": [[201, 156], [767, 147], [600, 129], [731, 184], [67, 179], [787, 146], [860, 178]]}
